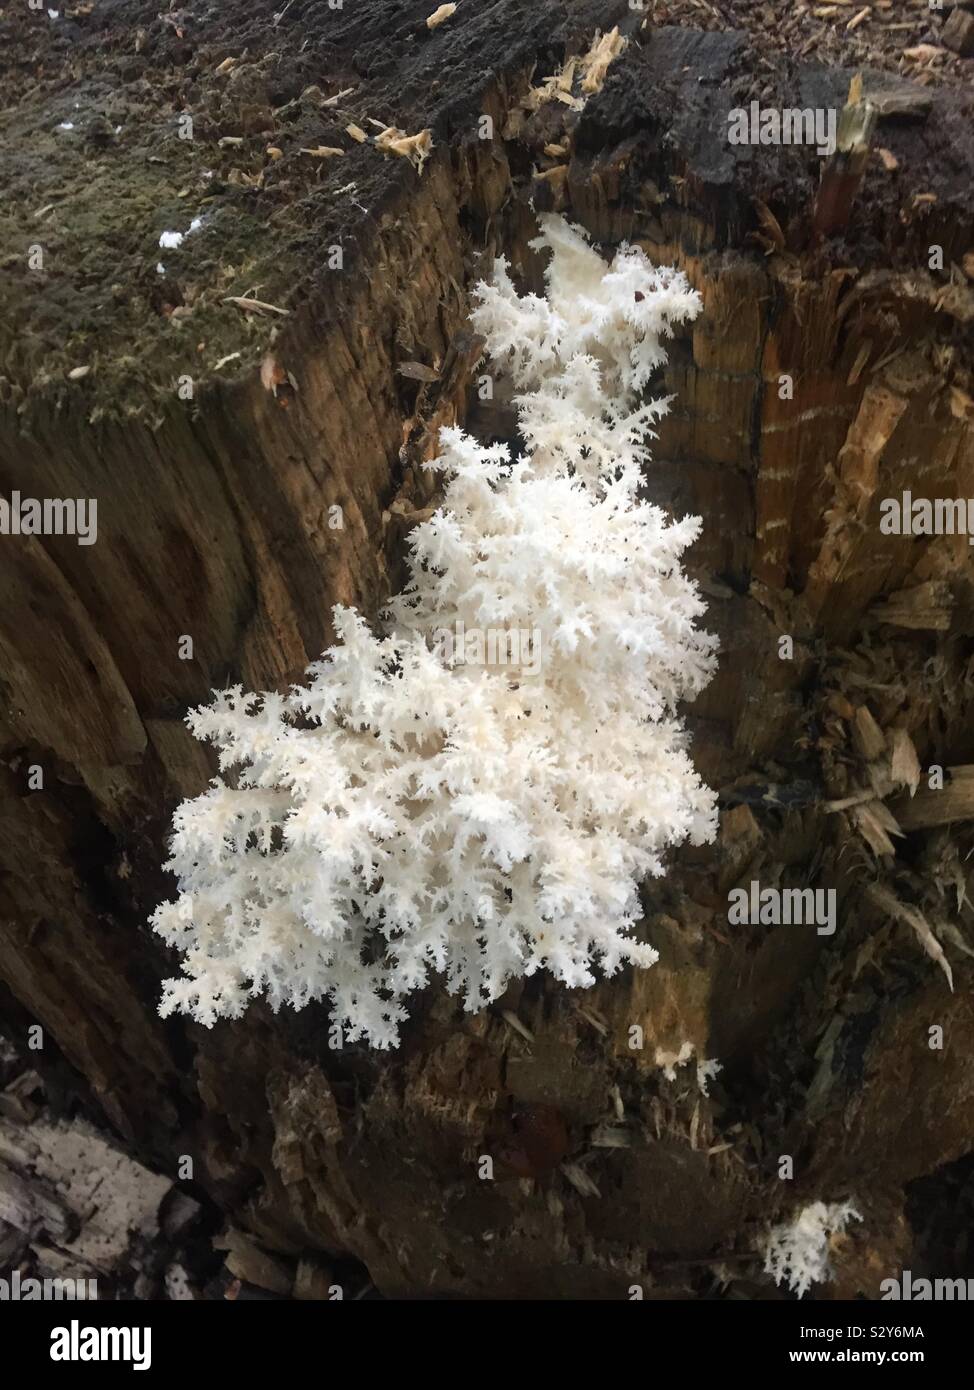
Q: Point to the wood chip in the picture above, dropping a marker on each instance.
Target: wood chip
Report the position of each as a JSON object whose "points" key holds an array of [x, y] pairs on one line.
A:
{"points": [[890, 162], [904, 765], [415, 148], [954, 801], [440, 15], [595, 63], [417, 371], [958, 33], [867, 736], [333, 101], [255, 1266], [925, 607], [872, 820], [858, 19], [323, 151], [356, 132], [961, 404]]}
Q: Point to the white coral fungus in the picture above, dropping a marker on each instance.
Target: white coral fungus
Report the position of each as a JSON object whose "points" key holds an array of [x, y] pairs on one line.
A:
{"points": [[797, 1251], [407, 812]]}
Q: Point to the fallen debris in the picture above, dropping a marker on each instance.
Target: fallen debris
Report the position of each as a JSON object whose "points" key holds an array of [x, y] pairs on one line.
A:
{"points": [[952, 802], [914, 919], [845, 168], [595, 63], [254, 306], [958, 32], [415, 148], [440, 15]]}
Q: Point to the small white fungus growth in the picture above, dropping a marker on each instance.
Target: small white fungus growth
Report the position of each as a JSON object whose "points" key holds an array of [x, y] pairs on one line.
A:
{"points": [[178, 1287], [797, 1251], [169, 241], [406, 814], [669, 1061], [707, 1068]]}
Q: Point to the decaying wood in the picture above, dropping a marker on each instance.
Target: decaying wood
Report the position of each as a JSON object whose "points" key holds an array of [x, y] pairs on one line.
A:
{"points": [[843, 173], [953, 802]]}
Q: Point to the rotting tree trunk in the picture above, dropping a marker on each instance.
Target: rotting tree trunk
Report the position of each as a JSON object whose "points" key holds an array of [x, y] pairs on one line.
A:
{"points": [[214, 523]]}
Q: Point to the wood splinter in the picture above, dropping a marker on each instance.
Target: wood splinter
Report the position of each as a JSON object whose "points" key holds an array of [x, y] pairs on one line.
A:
{"points": [[847, 163]]}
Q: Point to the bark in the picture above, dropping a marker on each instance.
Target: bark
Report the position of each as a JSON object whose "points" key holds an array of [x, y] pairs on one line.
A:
{"points": [[213, 522]]}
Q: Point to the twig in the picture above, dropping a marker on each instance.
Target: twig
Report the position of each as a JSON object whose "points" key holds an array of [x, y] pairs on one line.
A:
{"points": [[254, 306]]}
